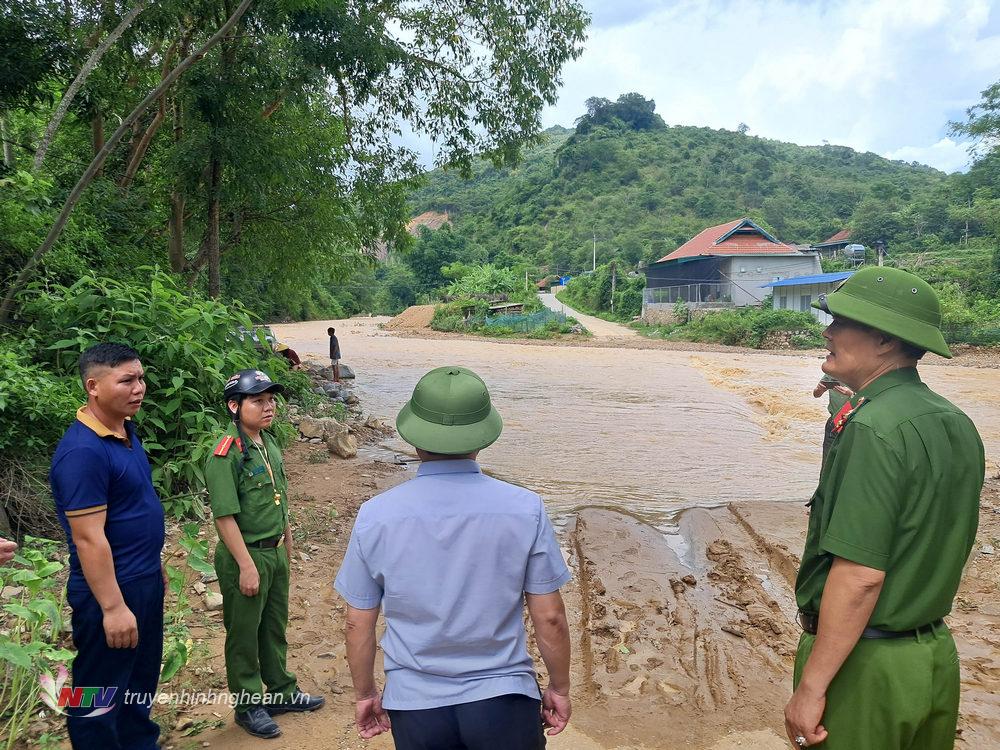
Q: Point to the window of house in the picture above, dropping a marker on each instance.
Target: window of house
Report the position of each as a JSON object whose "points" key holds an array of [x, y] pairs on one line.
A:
{"points": [[804, 301]]}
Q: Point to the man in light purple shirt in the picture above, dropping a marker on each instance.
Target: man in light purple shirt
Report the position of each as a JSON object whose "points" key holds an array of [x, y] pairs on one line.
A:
{"points": [[451, 557]]}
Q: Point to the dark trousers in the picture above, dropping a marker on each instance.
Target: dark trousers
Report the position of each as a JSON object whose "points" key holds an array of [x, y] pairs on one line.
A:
{"points": [[508, 722], [132, 672]]}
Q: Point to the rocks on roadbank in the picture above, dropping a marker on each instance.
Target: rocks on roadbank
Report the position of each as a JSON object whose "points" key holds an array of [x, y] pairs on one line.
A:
{"points": [[326, 423]]}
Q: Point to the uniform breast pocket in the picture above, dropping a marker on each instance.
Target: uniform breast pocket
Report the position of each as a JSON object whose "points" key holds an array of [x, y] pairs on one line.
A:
{"points": [[252, 479]]}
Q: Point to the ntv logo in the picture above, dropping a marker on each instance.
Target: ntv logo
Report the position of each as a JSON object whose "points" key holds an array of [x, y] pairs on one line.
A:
{"points": [[58, 696]]}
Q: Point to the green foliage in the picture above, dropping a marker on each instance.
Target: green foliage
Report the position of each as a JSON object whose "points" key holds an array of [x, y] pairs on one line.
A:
{"points": [[485, 279], [631, 110], [35, 404], [30, 634], [187, 345], [745, 326], [591, 293], [541, 324], [398, 289]]}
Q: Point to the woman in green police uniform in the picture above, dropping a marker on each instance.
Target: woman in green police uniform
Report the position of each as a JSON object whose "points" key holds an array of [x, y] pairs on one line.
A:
{"points": [[249, 497]]}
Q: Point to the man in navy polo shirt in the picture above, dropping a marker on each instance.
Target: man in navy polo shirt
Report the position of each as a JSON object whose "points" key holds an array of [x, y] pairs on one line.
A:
{"points": [[113, 521]]}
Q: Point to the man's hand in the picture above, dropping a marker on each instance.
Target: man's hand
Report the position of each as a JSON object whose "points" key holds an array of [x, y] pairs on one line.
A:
{"points": [[249, 579], [556, 709], [288, 544], [166, 578], [371, 718], [7, 549], [803, 715], [120, 627]]}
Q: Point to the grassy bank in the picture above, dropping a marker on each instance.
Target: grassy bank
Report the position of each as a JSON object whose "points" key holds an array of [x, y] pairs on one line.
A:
{"points": [[754, 327], [538, 324]]}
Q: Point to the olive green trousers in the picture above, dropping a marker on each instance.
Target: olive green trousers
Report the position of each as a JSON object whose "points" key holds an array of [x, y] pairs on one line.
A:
{"points": [[892, 694], [256, 649]]}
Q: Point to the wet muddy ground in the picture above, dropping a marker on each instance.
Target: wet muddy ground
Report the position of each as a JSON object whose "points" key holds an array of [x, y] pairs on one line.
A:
{"points": [[677, 479]]}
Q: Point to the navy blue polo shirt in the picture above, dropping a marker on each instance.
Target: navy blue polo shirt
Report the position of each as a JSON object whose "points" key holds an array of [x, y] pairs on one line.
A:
{"points": [[94, 470]]}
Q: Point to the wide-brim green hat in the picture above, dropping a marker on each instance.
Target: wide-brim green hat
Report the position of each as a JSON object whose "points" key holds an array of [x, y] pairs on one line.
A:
{"points": [[450, 412], [893, 301]]}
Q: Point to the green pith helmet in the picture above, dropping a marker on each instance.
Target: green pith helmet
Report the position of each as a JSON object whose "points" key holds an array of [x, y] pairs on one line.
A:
{"points": [[450, 412], [893, 301]]}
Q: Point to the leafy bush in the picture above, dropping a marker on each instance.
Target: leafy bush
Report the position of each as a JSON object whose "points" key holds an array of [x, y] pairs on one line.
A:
{"points": [[187, 346], [591, 293], [30, 627], [746, 326], [486, 279], [35, 405]]}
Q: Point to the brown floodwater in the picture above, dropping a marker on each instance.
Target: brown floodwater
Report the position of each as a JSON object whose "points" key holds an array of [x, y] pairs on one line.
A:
{"points": [[645, 430]]}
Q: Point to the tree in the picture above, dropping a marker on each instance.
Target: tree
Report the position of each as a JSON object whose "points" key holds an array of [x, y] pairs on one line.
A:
{"points": [[475, 77], [95, 165], [81, 77], [983, 123], [632, 111]]}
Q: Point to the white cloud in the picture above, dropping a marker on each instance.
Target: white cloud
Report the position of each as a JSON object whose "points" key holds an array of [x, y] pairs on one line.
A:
{"points": [[947, 155], [876, 75]]}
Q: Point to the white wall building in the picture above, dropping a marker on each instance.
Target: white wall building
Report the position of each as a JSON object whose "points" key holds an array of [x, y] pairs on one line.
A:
{"points": [[798, 293]]}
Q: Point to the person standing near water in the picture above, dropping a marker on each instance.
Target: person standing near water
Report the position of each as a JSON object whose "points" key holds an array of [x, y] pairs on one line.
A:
{"points": [[334, 353], [452, 557], [248, 492], [890, 527]]}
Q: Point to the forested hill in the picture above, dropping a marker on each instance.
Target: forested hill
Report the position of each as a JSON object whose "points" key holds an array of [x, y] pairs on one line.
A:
{"points": [[644, 192]]}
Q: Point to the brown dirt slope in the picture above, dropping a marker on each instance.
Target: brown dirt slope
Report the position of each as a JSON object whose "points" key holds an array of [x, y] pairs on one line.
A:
{"points": [[412, 318]]}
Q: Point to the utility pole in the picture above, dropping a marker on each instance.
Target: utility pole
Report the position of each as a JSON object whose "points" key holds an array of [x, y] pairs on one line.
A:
{"points": [[614, 279], [525, 279], [595, 248], [880, 250]]}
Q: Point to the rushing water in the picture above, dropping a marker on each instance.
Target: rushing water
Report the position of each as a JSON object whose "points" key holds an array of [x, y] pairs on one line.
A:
{"points": [[646, 430]]}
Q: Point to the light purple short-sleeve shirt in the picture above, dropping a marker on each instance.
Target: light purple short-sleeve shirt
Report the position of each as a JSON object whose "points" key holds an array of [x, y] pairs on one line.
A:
{"points": [[449, 555]]}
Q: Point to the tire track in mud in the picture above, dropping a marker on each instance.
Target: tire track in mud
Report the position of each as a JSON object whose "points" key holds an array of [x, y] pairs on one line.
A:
{"points": [[700, 641]]}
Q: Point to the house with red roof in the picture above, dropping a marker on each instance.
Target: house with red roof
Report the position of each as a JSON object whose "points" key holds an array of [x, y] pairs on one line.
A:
{"points": [[724, 266], [835, 244]]}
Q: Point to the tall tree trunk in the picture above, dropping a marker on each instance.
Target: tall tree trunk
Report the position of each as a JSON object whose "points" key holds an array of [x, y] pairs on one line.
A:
{"points": [[81, 77], [214, 270], [97, 134], [176, 247], [177, 200], [140, 145], [8, 148], [7, 305]]}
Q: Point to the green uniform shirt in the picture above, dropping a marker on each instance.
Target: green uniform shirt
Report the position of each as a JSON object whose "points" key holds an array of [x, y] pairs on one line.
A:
{"points": [[899, 492], [835, 399], [243, 489]]}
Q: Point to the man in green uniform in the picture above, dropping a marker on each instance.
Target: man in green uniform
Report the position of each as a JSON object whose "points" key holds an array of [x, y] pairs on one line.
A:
{"points": [[891, 526], [249, 497]]}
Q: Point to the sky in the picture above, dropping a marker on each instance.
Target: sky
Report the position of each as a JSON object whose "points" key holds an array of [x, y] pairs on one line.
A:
{"points": [[876, 75]]}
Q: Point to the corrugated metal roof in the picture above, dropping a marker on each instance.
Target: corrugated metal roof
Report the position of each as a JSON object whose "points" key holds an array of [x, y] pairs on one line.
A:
{"points": [[818, 278]]}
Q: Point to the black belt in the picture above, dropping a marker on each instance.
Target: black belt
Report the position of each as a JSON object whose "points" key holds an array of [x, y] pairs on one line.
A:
{"points": [[266, 543], [810, 624]]}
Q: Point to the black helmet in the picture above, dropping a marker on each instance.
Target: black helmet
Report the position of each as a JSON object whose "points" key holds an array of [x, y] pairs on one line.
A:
{"points": [[249, 383]]}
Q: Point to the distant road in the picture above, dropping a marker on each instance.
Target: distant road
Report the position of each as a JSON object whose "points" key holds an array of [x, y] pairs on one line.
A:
{"points": [[602, 329]]}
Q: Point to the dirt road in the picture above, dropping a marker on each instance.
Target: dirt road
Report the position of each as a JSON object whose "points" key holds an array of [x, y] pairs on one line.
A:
{"points": [[601, 329]]}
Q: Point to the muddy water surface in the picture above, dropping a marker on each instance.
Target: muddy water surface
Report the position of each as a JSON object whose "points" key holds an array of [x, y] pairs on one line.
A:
{"points": [[648, 431]]}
